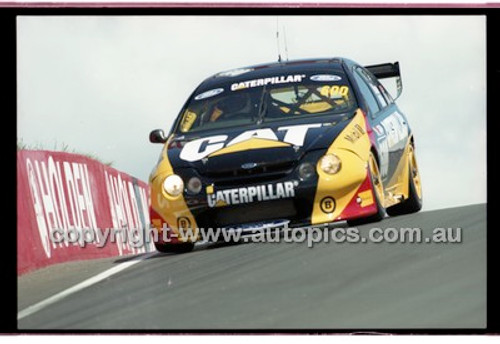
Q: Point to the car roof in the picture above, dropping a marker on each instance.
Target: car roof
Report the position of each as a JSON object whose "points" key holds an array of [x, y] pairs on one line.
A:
{"points": [[273, 69]]}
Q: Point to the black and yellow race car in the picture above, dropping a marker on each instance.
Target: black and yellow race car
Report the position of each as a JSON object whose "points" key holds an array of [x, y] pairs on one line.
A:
{"points": [[307, 142]]}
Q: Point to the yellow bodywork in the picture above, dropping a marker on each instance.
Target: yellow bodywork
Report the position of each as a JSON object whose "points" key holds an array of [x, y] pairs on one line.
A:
{"points": [[352, 146], [170, 208]]}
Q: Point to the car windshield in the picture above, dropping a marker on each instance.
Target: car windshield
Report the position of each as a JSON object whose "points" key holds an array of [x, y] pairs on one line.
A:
{"points": [[266, 100]]}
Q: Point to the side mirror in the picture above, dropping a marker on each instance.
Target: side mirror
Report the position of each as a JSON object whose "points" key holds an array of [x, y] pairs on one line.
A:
{"points": [[157, 136]]}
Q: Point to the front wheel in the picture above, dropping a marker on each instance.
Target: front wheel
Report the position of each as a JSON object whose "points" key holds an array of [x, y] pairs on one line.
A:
{"points": [[414, 201], [378, 193]]}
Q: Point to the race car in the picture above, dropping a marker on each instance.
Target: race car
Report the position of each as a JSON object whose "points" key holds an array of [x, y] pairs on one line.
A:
{"points": [[304, 142]]}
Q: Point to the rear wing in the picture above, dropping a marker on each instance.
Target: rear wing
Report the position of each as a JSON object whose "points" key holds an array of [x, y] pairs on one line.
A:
{"points": [[388, 70]]}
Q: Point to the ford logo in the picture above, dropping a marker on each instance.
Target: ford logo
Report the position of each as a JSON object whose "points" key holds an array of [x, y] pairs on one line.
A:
{"points": [[248, 165], [325, 77]]}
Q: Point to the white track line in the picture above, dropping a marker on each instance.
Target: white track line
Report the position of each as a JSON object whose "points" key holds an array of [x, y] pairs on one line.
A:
{"points": [[87, 283]]}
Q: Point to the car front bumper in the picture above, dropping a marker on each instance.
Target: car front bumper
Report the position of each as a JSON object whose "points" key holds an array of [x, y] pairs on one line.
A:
{"points": [[318, 200]]}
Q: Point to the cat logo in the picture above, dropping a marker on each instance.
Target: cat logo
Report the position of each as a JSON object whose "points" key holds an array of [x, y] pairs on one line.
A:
{"points": [[203, 147]]}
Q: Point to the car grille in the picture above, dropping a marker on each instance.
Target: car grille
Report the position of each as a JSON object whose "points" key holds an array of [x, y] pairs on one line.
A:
{"points": [[257, 174], [254, 212]]}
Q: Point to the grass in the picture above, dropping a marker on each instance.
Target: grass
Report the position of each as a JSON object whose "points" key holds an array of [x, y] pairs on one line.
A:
{"points": [[62, 147]]}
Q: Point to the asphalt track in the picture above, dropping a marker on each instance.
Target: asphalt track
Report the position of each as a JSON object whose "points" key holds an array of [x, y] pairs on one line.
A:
{"points": [[261, 286]]}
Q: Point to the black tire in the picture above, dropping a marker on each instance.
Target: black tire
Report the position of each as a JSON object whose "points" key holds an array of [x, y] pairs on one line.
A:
{"points": [[184, 247], [413, 203], [380, 214]]}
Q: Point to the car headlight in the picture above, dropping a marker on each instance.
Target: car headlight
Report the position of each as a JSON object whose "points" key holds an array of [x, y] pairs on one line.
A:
{"points": [[306, 170], [330, 163], [173, 185], [194, 185]]}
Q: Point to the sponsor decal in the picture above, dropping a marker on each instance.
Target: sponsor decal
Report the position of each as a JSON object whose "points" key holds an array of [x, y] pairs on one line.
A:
{"points": [[188, 120], [249, 194], [200, 148], [209, 93], [396, 133], [395, 128], [325, 77], [366, 198], [249, 165], [379, 130], [354, 134], [274, 80], [250, 227], [327, 205], [235, 72]]}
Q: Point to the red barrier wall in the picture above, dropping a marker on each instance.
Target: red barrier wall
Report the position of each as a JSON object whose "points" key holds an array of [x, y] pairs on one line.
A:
{"points": [[66, 206]]}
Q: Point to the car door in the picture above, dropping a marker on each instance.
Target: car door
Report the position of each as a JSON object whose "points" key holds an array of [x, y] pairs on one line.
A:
{"points": [[388, 123]]}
